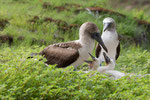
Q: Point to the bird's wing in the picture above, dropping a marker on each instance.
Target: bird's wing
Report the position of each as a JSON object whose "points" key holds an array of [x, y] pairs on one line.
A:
{"points": [[118, 51], [119, 37], [98, 50], [62, 54]]}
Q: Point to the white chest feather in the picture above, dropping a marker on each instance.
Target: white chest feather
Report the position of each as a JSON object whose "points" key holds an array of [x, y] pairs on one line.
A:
{"points": [[111, 42], [83, 53]]}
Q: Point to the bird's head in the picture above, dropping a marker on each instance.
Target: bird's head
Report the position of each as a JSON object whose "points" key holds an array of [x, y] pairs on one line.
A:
{"points": [[109, 24], [94, 63], [90, 30]]}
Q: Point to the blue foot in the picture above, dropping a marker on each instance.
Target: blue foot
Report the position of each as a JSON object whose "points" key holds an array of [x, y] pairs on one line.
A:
{"points": [[74, 69]]}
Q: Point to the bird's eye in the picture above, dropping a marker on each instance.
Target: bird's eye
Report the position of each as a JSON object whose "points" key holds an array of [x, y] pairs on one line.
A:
{"points": [[110, 23]]}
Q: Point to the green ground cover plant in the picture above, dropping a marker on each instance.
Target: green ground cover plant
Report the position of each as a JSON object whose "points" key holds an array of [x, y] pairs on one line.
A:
{"points": [[34, 24]]}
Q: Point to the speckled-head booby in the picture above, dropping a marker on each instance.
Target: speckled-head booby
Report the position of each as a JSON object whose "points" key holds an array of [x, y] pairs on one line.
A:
{"points": [[110, 39], [94, 64], [74, 52]]}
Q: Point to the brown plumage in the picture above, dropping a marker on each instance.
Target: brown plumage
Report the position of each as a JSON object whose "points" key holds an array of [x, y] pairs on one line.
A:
{"points": [[62, 54], [73, 52]]}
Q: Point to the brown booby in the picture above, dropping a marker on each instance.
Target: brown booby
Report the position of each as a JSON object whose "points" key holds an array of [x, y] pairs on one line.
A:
{"points": [[74, 52], [110, 39]]}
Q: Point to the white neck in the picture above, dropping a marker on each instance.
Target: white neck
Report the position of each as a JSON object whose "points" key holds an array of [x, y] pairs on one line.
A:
{"points": [[110, 31], [87, 45], [87, 42], [86, 39], [110, 39], [110, 66]]}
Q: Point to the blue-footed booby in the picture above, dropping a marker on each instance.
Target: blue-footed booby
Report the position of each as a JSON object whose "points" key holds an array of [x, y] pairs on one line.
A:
{"points": [[74, 52], [108, 69], [110, 39]]}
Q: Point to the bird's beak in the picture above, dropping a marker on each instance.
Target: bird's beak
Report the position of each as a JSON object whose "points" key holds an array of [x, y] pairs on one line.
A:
{"points": [[107, 59], [93, 58], [87, 61], [98, 38], [106, 26]]}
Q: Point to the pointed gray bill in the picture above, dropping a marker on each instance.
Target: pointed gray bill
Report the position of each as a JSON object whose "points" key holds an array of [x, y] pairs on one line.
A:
{"points": [[106, 26], [107, 59], [98, 38]]}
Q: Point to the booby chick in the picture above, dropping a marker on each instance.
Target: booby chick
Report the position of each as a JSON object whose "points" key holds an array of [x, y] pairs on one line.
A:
{"points": [[108, 69], [110, 39], [94, 64], [74, 52]]}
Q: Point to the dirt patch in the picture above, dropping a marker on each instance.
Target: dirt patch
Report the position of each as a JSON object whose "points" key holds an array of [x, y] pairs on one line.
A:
{"points": [[102, 10], [133, 3], [3, 23], [93, 9], [9, 39], [138, 40], [62, 25], [66, 7], [61, 8], [46, 5], [57, 21], [6, 39]]}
